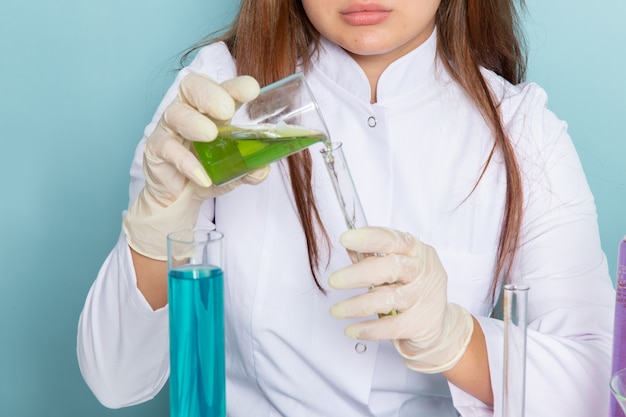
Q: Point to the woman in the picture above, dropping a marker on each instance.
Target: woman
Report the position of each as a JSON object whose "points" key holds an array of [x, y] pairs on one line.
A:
{"points": [[444, 143]]}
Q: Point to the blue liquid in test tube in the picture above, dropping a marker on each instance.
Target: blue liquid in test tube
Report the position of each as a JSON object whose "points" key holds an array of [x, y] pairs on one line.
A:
{"points": [[196, 315]]}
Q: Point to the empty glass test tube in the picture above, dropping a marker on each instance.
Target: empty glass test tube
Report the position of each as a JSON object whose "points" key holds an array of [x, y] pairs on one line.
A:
{"points": [[346, 194], [515, 324]]}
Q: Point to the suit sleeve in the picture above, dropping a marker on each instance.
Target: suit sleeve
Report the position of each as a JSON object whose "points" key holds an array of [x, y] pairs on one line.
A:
{"points": [[571, 297]]}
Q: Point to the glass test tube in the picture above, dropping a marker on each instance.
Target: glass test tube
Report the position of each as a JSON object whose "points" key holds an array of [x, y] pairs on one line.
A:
{"points": [[515, 323], [346, 194], [196, 323]]}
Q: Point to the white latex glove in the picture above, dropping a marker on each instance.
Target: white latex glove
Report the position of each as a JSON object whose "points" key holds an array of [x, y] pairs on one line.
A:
{"points": [[176, 183], [428, 331]]}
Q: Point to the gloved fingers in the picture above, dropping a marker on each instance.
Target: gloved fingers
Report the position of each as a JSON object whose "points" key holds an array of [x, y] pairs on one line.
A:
{"points": [[391, 327], [252, 178], [208, 97], [357, 256], [166, 147], [183, 120], [243, 88], [257, 176], [379, 300], [382, 240], [375, 271], [419, 322]]}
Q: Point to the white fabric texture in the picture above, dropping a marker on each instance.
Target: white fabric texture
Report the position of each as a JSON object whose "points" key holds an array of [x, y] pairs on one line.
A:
{"points": [[414, 171]]}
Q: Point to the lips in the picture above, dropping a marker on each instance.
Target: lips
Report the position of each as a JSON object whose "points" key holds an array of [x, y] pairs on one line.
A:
{"points": [[361, 14]]}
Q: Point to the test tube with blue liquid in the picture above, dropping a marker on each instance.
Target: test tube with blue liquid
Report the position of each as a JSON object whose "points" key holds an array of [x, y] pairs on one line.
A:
{"points": [[196, 324]]}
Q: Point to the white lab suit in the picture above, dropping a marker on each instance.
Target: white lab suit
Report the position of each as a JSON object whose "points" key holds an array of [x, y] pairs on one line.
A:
{"points": [[415, 156]]}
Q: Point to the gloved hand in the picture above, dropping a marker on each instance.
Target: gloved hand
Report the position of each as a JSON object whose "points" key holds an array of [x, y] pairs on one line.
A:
{"points": [[176, 183], [428, 331]]}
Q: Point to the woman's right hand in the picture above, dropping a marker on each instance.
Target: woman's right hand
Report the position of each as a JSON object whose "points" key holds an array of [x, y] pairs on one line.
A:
{"points": [[176, 183]]}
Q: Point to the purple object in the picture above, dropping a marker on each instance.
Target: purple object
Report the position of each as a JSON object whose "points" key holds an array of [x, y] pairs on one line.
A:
{"points": [[619, 330]]}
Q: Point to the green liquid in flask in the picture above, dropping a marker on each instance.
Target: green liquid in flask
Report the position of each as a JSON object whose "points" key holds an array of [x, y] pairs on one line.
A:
{"points": [[239, 150]]}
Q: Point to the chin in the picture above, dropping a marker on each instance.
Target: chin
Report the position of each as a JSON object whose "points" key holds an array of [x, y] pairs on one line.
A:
{"points": [[365, 48]]}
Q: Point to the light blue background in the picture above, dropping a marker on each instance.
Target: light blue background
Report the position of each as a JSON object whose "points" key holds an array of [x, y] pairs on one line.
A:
{"points": [[79, 79]]}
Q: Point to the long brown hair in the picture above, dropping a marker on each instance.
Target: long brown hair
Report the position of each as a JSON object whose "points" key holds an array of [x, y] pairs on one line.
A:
{"points": [[268, 39]]}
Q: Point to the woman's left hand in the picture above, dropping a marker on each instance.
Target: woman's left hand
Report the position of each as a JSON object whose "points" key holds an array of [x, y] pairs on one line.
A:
{"points": [[428, 331]]}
